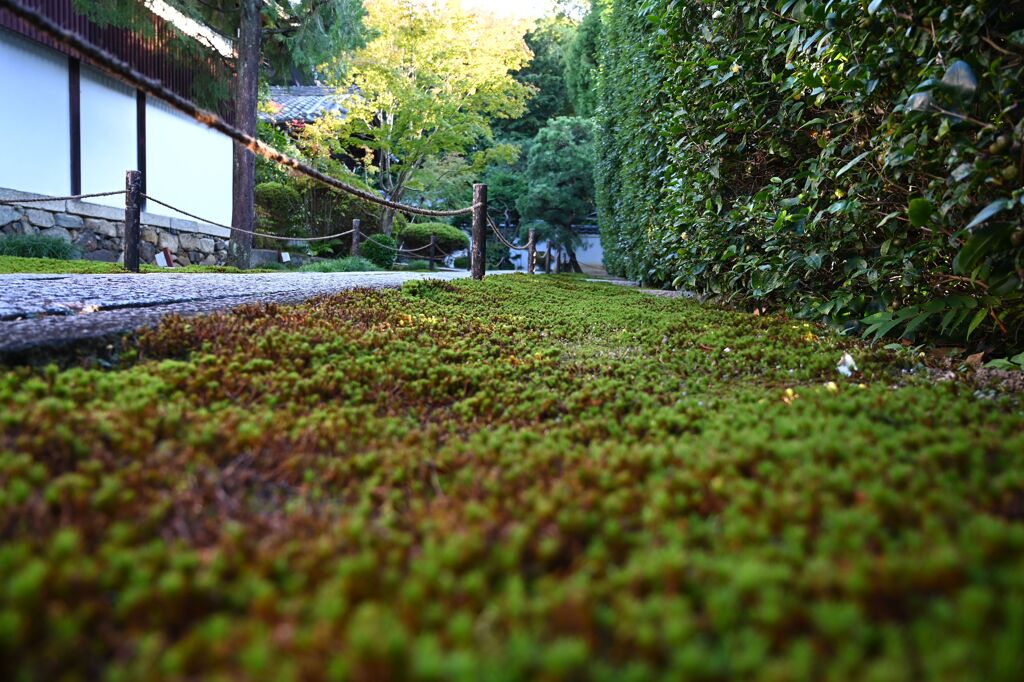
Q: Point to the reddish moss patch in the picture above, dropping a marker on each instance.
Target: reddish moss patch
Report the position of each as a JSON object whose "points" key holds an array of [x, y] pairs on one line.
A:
{"points": [[525, 478]]}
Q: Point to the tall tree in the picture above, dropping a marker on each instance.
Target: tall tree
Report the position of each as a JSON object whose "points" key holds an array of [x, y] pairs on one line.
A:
{"points": [[430, 82], [544, 76], [581, 63], [560, 191], [288, 38]]}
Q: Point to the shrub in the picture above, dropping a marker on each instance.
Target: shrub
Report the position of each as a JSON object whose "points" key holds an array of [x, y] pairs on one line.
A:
{"points": [[349, 264], [329, 211], [417, 235], [461, 262], [417, 265], [379, 249], [37, 246], [278, 211], [838, 160]]}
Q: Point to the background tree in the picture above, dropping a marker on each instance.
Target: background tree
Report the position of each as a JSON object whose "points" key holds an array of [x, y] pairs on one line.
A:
{"points": [[581, 63], [544, 76], [430, 83], [288, 38], [560, 192]]}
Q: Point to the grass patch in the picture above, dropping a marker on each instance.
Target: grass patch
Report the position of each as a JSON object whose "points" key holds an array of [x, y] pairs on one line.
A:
{"points": [[514, 479], [37, 246], [11, 265], [348, 264]]}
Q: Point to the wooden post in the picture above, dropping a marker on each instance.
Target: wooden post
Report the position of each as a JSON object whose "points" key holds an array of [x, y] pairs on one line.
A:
{"points": [[355, 236], [479, 229], [132, 204], [531, 252], [433, 251]]}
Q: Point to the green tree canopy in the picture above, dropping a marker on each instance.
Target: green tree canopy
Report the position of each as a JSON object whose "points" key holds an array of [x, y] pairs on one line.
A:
{"points": [[544, 76], [429, 84], [559, 168], [581, 63]]}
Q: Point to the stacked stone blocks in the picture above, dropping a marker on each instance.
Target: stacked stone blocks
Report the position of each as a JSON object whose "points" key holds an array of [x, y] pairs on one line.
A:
{"points": [[98, 231]]}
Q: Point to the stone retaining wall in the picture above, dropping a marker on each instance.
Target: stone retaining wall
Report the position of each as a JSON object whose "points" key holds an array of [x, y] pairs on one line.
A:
{"points": [[98, 231]]}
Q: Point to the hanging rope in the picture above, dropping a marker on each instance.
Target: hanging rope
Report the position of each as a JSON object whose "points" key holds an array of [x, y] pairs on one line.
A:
{"points": [[257, 234], [501, 238], [150, 86], [73, 197]]}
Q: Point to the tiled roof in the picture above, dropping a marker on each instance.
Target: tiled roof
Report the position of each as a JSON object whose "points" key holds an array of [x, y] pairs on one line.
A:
{"points": [[304, 103]]}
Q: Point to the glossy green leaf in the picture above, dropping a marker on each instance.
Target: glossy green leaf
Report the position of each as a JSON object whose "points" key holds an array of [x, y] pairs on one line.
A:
{"points": [[992, 209], [920, 212]]}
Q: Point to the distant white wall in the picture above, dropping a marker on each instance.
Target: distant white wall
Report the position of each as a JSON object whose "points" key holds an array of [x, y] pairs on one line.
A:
{"points": [[108, 134], [188, 164], [589, 255], [35, 138]]}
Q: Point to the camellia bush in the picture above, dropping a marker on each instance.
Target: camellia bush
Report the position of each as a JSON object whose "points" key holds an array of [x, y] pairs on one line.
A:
{"points": [[858, 162]]}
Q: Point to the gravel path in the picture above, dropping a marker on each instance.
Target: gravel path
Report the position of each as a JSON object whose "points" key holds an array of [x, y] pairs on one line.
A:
{"points": [[52, 311]]}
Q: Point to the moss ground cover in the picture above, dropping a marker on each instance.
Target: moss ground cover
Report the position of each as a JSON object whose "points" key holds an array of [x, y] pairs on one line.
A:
{"points": [[516, 479], [14, 265]]}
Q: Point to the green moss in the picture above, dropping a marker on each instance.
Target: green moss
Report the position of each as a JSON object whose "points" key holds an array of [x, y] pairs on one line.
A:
{"points": [[520, 478], [15, 265]]}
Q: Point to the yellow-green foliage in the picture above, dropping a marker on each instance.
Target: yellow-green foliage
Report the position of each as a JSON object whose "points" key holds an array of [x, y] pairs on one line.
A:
{"points": [[515, 479]]}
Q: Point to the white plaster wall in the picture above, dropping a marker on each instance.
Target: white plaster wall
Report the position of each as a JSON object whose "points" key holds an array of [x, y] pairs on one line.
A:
{"points": [[188, 164], [108, 134], [35, 137], [590, 255]]}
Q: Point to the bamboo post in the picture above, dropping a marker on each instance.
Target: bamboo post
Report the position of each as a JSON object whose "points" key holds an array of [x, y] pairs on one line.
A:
{"points": [[531, 252], [132, 206], [479, 229], [433, 251], [355, 236]]}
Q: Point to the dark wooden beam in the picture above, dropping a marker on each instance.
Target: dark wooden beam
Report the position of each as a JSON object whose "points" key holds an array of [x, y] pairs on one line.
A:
{"points": [[75, 120], [140, 143]]}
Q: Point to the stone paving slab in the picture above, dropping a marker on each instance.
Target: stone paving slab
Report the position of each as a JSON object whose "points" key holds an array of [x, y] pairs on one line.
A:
{"points": [[51, 311]]}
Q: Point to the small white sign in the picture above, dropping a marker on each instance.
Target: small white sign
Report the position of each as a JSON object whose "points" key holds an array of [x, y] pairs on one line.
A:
{"points": [[161, 260], [285, 257]]}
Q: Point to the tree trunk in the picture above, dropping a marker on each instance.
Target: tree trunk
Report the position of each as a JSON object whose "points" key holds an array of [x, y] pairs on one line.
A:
{"points": [[387, 221], [243, 203], [574, 265]]}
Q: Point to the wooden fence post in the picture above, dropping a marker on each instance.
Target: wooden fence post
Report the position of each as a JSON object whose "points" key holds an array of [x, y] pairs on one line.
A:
{"points": [[132, 206], [433, 251], [355, 236], [531, 252], [479, 229]]}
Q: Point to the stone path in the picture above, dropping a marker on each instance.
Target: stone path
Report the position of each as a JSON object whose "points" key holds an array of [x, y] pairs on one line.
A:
{"points": [[51, 311]]}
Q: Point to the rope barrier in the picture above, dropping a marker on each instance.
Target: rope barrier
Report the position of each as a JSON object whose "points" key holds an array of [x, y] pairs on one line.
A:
{"points": [[74, 197], [153, 87], [502, 239], [396, 249], [257, 234]]}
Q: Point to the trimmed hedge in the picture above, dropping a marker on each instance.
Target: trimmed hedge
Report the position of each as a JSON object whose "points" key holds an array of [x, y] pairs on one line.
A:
{"points": [[417, 235], [849, 161], [379, 249], [278, 212]]}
